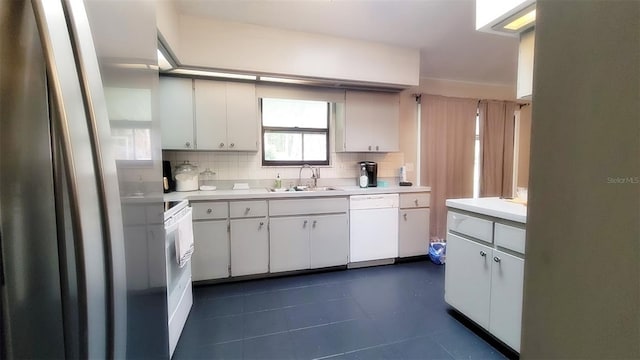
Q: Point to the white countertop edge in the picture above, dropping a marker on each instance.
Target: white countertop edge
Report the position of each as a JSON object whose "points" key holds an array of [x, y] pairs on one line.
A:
{"points": [[495, 207], [264, 194]]}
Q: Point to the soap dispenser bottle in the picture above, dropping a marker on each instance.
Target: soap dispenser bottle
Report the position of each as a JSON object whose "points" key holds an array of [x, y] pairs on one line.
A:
{"points": [[278, 183], [364, 178]]}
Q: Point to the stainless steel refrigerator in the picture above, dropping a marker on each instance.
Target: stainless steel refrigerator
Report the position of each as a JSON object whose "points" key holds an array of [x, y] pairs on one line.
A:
{"points": [[82, 242]]}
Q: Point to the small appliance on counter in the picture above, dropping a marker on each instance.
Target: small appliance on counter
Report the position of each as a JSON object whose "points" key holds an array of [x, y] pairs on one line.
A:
{"points": [[168, 182], [186, 177], [372, 172]]}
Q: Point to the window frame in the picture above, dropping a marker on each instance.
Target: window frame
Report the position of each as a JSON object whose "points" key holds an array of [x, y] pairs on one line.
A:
{"points": [[296, 130]]}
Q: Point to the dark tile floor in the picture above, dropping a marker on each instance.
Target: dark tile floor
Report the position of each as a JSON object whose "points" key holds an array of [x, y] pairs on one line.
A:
{"points": [[386, 312]]}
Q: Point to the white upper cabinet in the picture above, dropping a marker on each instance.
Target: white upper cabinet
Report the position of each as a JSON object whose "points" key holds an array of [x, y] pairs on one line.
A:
{"points": [[524, 88], [226, 116], [368, 121], [211, 114], [176, 113], [218, 115]]}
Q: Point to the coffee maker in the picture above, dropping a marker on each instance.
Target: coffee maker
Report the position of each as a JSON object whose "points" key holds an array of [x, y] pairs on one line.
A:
{"points": [[372, 172]]}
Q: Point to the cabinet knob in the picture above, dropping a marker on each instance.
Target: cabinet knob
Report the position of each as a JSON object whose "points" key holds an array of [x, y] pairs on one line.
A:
{"points": [[304, 224], [246, 211], [209, 211], [221, 145], [314, 223], [496, 259], [369, 147], [187, 144], [404, 216], [377, 147], [416, 201], [232, 145], [482, 253], [261, 225]]}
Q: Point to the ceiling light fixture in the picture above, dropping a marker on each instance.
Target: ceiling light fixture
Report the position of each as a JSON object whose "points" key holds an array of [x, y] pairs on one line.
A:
{"points": [[283, 80], [522, 21], [213, 74]]}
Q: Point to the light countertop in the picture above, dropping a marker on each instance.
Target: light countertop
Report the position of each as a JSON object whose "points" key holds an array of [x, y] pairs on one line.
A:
{"points": [[263, 193], [496, 207]]}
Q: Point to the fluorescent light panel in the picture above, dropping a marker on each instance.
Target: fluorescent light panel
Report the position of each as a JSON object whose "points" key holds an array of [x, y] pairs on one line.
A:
{"points": [[213, 74], [283, 80], [163, 63], [522, 21]]}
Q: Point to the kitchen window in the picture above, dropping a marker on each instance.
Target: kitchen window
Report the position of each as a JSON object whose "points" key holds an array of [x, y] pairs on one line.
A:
{"points": [[295, 132]]}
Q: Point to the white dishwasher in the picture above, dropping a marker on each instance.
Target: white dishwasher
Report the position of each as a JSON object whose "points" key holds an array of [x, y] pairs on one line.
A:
{"points": [[374, 227]]}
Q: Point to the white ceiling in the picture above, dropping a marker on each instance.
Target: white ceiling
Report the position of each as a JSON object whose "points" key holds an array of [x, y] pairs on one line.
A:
{"points": [[443, 30]]}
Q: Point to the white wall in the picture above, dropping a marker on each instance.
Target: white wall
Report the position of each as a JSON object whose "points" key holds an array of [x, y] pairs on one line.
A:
{"points": [[582, 269], [167, 20], [258, 49]]}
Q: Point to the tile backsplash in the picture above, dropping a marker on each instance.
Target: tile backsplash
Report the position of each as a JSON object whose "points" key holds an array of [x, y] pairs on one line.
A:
{"points": [[230, 166]]}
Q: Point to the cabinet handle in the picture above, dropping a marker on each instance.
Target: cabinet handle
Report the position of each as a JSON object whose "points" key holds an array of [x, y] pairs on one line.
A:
{"points": [[482, 253], [261, 225], [221, 145], [496, 259], [187, 144], [304, 224], [209, 211], [232, 145], [416, 201], [377, 147], [369, 147], [405, 217], [246, 211], [314, 223]]}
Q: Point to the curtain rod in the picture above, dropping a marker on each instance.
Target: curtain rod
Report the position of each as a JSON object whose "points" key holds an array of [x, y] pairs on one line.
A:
{"points": [[418, 97]]}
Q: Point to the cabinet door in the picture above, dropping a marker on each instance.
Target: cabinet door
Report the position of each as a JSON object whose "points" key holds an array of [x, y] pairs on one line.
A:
{"points": [[242, 117], [211, 114], [249, 246], [385, 133], [467, 282], [176, 113], [289, 243], [210, 258], [358, 117], [372, 121], [414, 232], [506, 298], [329, 240]]}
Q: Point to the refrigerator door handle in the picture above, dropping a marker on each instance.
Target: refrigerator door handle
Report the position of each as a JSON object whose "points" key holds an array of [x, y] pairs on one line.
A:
{"points": [[95, 216]]}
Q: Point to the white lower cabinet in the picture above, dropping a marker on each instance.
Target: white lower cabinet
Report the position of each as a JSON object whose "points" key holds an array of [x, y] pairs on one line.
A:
{"points": [[486, 284], [249, 246], [507, 276], [467, 284], [289, 243], [211, 254], [329, 240], [303, 242], [413, 239]]}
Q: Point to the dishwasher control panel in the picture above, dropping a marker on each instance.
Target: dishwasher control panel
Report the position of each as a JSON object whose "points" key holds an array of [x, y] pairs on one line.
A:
{"points": [[374, 201]]}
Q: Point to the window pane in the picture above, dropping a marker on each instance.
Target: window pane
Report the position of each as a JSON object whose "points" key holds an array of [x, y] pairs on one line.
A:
{"points": [[282, 146], [294, 113], [315, 147]]}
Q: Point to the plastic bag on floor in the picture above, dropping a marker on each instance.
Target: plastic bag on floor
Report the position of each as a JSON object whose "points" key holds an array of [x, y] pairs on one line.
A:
{"points": [[438, 252]]}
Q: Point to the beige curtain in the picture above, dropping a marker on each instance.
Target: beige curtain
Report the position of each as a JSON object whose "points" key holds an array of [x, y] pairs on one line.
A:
{"points": [[447, 151], [496, 147]]}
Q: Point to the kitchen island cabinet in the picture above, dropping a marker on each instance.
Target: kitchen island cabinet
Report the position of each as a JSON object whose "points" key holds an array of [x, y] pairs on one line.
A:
{"points": [[485, 264]]}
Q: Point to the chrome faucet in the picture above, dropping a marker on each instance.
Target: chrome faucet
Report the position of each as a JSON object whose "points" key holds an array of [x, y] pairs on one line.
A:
{"points": [[315, 174]]}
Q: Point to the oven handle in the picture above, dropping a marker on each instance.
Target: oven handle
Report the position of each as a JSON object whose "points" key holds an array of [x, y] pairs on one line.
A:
{"points": [[176, 219]]}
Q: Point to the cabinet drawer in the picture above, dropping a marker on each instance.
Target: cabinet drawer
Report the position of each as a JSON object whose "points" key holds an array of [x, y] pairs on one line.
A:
{"points": [[210, 210], [414, 200], [510, 237], [306, 207], [246, 209], [477, 228]]}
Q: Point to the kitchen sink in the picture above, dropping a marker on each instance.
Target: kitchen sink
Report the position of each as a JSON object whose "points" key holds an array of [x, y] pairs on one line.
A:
{"points": [[304, 188]]}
